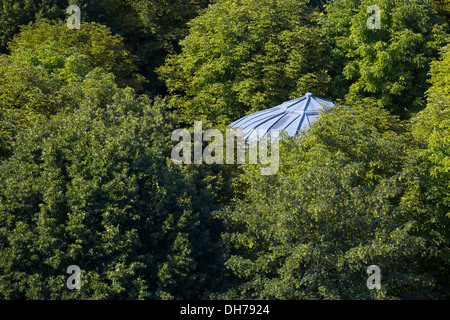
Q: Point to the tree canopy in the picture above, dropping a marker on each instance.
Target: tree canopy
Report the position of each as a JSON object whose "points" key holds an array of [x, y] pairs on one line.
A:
{"points": [[87, 178], [388, 65], [94, 190], [243, 56], [335, 208], [431, 127]]}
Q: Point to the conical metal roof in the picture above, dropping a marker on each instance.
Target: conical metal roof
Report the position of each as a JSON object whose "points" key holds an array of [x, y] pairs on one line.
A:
{"points": [[291, 116]]}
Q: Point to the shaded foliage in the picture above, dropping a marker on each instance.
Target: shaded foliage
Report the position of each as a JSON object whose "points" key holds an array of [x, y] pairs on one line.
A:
{"points": [[245, 56], [335, 208], [85, 143], [92, 188]]}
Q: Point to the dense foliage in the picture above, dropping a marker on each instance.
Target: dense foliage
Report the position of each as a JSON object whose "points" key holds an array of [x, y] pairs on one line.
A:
{"points": [[92, 188], [338, 205], [86, 178], [388, 65]]}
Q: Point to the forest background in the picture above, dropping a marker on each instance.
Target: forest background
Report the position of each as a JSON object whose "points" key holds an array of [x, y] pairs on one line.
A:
{"points": [[86, 178]]}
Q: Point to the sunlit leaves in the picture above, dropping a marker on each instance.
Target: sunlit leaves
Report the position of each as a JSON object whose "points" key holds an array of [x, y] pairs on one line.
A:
{"points": [[311, 231], [246, 56], [387, 65], [91, 187]]}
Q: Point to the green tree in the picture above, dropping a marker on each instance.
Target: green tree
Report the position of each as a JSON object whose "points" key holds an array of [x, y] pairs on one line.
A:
{"points": [[244, 56], [24, 86], [47, 69], [442, 7], [388, 65], [428, 120], [92, 188], [15, 13], [47, 60], [431, 127], [151, 29], [334, 209], [51, 43]]}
